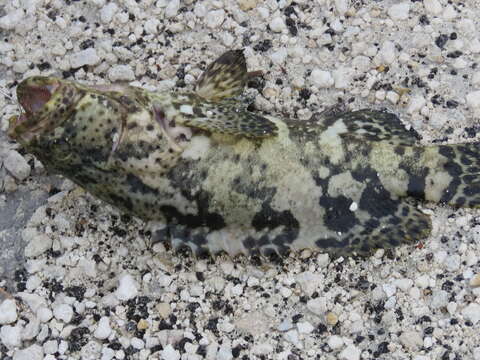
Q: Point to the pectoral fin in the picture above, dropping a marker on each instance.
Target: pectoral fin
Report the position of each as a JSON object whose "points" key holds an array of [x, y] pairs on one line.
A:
{"points": [[226, 118]]}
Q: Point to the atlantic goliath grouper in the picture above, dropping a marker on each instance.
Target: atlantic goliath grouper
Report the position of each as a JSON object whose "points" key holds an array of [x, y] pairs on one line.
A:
{"points": [[216, 177]]}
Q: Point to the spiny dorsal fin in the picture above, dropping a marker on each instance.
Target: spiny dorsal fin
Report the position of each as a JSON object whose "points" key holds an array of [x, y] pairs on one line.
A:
{"points": [[224, 78], [369, 125]]}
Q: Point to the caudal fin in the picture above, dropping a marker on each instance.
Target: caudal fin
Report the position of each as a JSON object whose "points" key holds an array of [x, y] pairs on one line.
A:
{"points": [[447, 174]]}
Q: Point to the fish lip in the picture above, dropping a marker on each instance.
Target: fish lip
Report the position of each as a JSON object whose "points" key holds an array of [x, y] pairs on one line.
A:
{"points": [[33, 98]]}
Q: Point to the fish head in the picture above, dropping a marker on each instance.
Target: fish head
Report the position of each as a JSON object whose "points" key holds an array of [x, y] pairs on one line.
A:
{"points": [[47, 102]]}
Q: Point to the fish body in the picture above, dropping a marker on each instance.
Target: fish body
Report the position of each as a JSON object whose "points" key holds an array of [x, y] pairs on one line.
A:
{"points": [[215, 177]]}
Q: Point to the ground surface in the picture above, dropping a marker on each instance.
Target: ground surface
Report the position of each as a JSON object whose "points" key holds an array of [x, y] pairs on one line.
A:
{"points": [[81, 280]]}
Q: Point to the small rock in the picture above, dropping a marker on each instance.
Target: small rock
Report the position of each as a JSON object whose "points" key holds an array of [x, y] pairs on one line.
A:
{"points": [[10, 336], [472, 313], [225, 352], [85, 57], [33, 352], [16, 165], [142, 324], [127, 288], [8, 312], [387, 52], [416, 104], [37, 243], [473, 99], [44, 314], [137, 343], [292, 337], [318, 306], [433, 7], [335, 342], [172, 8], [164, 309], [121, 73], [305, 327], [351, 352], [246, 5], [277, 24], [50, 347], [321, 78], [475, 281], [341, 6], [169, 353], [103, 329], [9, 21], [331, 318], [278, 57], [411, 340], [439, 299], [399, 11], [107, 12], [215, 19], [63, 312]]}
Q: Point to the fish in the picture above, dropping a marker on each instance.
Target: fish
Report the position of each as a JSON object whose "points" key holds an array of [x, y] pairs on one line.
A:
{"points": [[210, 176]]}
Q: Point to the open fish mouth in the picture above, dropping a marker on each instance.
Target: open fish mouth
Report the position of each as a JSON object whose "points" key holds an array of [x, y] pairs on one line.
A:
{"points": [[33, 94]]}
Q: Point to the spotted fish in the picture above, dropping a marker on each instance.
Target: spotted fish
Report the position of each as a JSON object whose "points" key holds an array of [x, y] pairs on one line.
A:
{"points": [[212, 176]]}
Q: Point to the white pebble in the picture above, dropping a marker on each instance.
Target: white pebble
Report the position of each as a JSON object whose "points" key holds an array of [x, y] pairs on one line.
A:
{"points": [[278, 57], [137, 343], [33, 352], [412, 340], [433, 7], [107, 12], [151, 26], [472, 313], [341, 6], [399, 11], [305, 327], [63, 312], [8, 312], [50, 347], [351, 352], [292, 337], [387, 52], [321, 78], [169, 353], [44, 314], [172, 8], [335, 342], [416, 104], [341, 77], [85, 57], [10, 336], [285, 292], [121, 72], [103, 329], [127, 288], [318, 306], [9, 21], [37, 243], [473, 100], [16, 165], [215, 18], [476, 79], [439, 299], [277, 24]]}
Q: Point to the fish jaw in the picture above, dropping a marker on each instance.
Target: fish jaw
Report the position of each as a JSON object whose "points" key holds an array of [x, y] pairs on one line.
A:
{"points": [[46, 101]]}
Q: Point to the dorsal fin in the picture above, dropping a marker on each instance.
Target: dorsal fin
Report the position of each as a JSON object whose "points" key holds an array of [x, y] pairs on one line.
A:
{"points": [[364, 125], [224, 78]]}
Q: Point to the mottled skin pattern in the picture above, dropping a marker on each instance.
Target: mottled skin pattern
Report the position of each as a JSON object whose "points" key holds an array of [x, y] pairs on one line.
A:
{"points": [[215, 177]]}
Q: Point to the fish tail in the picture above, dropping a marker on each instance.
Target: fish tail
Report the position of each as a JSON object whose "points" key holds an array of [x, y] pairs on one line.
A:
{"points": [[447, 174]]}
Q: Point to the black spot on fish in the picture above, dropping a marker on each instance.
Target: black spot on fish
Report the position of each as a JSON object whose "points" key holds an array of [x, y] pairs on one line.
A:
{"points": [[138, 186], [331, 242], [416, 184], [338, 216]]}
